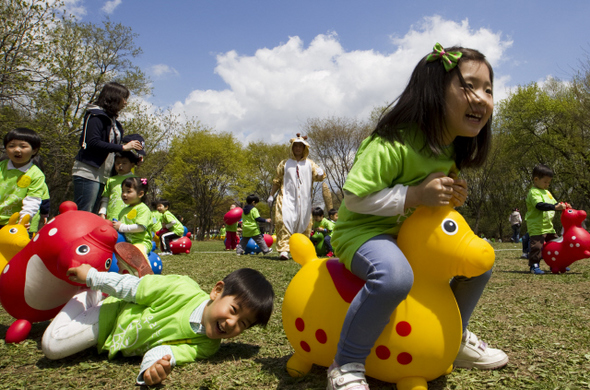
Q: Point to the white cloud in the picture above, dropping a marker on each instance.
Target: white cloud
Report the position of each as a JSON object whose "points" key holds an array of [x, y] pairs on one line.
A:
{"points": [[110, 6], [273, 92], [162, 69]]}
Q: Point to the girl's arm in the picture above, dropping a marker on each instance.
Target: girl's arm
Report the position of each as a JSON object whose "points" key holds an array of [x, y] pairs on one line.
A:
{"points": [[134, 228], [436, 190]]}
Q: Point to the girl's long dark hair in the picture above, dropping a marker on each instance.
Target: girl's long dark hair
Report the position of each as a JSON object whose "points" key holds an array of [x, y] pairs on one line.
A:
{"points": [[422, 104], [111, 96]]}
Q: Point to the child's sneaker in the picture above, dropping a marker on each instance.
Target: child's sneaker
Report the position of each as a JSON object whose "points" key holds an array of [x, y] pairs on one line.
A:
{"points": [[524, 255], [474, 353], [350, 376], [536, 270], [131, 260], [266, 253], [330, 254], [284, 256]]}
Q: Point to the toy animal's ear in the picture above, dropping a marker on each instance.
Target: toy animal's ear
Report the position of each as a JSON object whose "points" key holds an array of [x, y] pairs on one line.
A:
{"points": [[13, 219], [25, 219], [302, 249]]}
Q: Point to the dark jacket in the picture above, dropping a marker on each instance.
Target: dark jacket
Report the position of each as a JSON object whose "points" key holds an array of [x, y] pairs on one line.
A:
{"points": [[95, 136]]}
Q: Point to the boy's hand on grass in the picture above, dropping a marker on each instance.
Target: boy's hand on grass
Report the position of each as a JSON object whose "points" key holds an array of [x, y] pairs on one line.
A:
{"points": [[78, 274], [158, 371]]}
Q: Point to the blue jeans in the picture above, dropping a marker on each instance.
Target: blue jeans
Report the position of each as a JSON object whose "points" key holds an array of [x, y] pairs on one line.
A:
{"points": [[389, 278], [87, 194]]}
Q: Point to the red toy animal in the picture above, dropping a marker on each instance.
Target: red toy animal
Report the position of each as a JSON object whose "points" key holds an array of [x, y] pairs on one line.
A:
{"points": [[34, 286], [181, 245], [572, 246]]}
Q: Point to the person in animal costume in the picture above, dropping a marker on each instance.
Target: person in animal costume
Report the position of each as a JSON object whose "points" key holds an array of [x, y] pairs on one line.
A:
{"points": [[292, 206]]}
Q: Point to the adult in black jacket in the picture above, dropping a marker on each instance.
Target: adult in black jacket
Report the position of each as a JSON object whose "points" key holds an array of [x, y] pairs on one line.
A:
{"points": [[100, 140]]}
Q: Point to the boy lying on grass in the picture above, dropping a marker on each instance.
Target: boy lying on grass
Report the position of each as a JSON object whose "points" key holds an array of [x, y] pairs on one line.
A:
{"points": [[167, 319]]}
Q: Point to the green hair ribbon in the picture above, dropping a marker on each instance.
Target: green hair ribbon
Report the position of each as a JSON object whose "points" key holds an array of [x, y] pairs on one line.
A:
{"points": [[449, 58]]}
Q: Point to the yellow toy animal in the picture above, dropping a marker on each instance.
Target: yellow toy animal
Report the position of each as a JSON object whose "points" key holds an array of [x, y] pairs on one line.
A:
{"points": [[13, 237], [423, 336]]}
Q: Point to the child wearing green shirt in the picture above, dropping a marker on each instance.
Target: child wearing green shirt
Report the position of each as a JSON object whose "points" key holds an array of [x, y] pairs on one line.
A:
{"points": [[171, 227], [135, 219], [168, 319], [541, 208], [323, 226], [111, 202], [250, 219], [21, 181]]}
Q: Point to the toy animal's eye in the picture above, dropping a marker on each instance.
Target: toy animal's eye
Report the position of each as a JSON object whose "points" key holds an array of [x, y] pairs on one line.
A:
{"points": [[13, 230], [449, 226], [82, 250], [570, 211], [107, 264]]}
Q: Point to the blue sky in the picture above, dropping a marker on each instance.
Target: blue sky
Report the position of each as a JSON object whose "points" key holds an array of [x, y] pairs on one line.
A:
{"points": [[260, 69]]}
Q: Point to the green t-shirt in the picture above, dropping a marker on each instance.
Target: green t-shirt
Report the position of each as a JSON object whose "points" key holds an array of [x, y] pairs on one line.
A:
{"points": [[16, 185], [539, 222], [379, 164], [37, 218], [113, 190], [222, 232], [177, 228], [326, 224], [138, 214], [160, 316], [249, 223], [232, 228], [156, 222]]}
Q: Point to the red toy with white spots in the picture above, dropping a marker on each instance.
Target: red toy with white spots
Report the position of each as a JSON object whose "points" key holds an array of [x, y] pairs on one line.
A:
{"points": [[574, 245], [34, 285]]}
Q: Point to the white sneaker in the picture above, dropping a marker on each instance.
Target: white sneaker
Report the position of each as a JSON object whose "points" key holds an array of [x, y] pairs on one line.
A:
{"points": [[269, 251], [474, 353], [284, 256], [350, 376]]}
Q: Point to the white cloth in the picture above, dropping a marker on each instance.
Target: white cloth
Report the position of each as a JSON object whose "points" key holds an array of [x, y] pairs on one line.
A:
{"points": [[297, 195]]}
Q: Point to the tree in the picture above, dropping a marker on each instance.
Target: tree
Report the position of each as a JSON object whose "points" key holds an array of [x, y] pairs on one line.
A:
{"points": [[201, 173], [23, 44], [333, 143]]}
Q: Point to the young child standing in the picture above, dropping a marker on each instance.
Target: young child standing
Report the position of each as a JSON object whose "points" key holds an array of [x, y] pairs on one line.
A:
{"points": [[250, 229], [21, 181], [168, 319], [324, 226], [135, 219], [173, 227], [111, 202], [231, 237], [440, 123], [541, 208]]}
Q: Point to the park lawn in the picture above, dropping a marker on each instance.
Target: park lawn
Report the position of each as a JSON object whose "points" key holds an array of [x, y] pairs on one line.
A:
{"points": [[540, 321]]}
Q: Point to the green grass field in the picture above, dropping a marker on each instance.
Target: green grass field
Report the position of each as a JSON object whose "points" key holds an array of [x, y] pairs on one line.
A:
{"points": [[541, 322]]}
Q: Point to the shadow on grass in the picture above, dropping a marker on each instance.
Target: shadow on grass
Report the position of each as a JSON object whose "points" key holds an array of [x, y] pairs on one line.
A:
{"points": [[317, 374]]}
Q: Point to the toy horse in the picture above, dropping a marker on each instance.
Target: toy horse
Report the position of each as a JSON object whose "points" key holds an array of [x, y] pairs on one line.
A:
{"points": [[423, 336], [572, 246], [13, 238], [34, 285]]}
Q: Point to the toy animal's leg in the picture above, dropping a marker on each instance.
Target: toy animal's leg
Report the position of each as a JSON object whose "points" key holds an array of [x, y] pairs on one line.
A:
{"points": [[297, 367], [412, 383], [18, 331]]}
